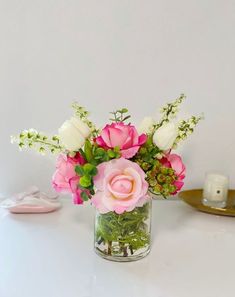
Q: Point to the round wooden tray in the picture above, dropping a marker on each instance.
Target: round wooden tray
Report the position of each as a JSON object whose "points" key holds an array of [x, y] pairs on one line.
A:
{"points": [[194, 198]]}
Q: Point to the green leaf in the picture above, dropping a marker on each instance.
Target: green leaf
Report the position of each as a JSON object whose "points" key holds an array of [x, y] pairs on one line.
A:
{"points": [[92, 192], [88, 150], [84, 196], [82, 153], [126, 118], [41, 150], [116, 149], [100, 151], [105, 157], [143, 150], [55, 138], [124, 110], [90, 169], [79, 170], [98, 157], [111, 154], [85, 181], [94, 162]]}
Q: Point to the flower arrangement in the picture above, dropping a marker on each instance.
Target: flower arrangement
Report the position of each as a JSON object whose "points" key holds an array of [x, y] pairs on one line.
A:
{"points": [[115, 168]]}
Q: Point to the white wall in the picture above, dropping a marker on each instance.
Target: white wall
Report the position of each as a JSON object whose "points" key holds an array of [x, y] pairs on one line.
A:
{"points": [[115, 53]]}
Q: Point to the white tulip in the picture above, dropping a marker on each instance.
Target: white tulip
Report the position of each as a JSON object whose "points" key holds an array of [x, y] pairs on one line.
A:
{"points": [[165, 136], [146, 125], [73, 134]]}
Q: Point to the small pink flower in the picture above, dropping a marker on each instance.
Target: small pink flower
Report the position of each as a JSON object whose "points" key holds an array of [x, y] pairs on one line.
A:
{"points": [[175, 162], [124, 136], [121, 186], [65, 179]]}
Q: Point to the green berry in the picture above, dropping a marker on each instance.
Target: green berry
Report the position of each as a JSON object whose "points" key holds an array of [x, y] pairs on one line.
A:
{"points": [[161, 178]]}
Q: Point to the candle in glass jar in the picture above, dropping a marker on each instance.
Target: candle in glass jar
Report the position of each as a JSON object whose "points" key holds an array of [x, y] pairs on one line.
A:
{"points": [[215, 190]]}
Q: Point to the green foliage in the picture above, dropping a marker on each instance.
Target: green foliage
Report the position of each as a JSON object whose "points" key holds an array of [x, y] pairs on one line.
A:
{"points": [[79, 170], [90, 169], [100, 154], [85, 181], [85, 196], [120, 115], [124, 232], [147, 154], [94, 155], [111, 154], [88, 151]]}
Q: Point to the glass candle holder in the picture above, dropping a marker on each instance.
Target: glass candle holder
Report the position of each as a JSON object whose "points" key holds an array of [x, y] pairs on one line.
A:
{"points": [[215, 190]]}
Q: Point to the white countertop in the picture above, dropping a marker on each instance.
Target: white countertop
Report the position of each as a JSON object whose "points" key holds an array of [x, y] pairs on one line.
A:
{"points": [[51, 255]]}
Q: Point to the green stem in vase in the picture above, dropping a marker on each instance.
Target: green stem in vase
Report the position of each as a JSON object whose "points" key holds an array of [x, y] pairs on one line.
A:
{"points": [[109, 247], [131, 250], [125, 253], [125, 233]]}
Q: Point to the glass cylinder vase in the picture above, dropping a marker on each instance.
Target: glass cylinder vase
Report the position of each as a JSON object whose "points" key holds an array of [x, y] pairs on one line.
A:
{"points": [[124, 237]]}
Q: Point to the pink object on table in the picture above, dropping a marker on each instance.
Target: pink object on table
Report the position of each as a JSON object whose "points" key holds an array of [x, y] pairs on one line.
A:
{"points": [[31, 201]]}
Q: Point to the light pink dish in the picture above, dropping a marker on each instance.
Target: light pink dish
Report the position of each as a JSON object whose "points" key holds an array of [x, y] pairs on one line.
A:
{"points": [[31, 201]]}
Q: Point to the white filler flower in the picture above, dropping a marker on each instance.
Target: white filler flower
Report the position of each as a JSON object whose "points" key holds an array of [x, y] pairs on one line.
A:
{"points": [[165, 136], [146, 126], [73, 134]]}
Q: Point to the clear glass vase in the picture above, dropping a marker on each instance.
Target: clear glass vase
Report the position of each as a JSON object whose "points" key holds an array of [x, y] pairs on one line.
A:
{"points": [[124, 237]]}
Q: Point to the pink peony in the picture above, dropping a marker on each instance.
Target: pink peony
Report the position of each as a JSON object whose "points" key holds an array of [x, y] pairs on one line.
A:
{"points": [[124, 136], [175, 162], [121, 186], [65, 179]]}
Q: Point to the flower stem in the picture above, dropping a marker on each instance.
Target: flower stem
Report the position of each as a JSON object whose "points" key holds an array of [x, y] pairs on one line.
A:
{"points": [[125, 253], [131, 249], [48, 143], [110, 248]]}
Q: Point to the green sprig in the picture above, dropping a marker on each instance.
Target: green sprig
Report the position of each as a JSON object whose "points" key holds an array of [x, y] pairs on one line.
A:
{"points": [[169, 111], [36, 140], [120, 115], [94, 155], [124, 233], [83, 114], [186, 128]]}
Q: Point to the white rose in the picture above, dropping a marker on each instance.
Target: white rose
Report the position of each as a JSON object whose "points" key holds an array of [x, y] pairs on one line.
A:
{"points": [[146, 125], [165, 136], [73, 134]]}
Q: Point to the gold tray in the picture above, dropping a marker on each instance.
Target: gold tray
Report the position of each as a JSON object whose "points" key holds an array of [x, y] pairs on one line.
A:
{"points": [[194, 198]]}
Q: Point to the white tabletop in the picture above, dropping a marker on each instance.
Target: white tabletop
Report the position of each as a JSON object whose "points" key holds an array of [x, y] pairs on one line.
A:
{"points": [[51, 255]]}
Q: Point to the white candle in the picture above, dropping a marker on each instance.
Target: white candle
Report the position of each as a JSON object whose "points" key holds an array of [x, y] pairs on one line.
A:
{"points": [[215, 190]]}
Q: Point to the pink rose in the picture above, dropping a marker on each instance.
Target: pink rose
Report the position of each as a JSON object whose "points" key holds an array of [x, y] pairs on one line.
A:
{"points": [[124, 136], [121, 186], [175, 162], [65, 178]]}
